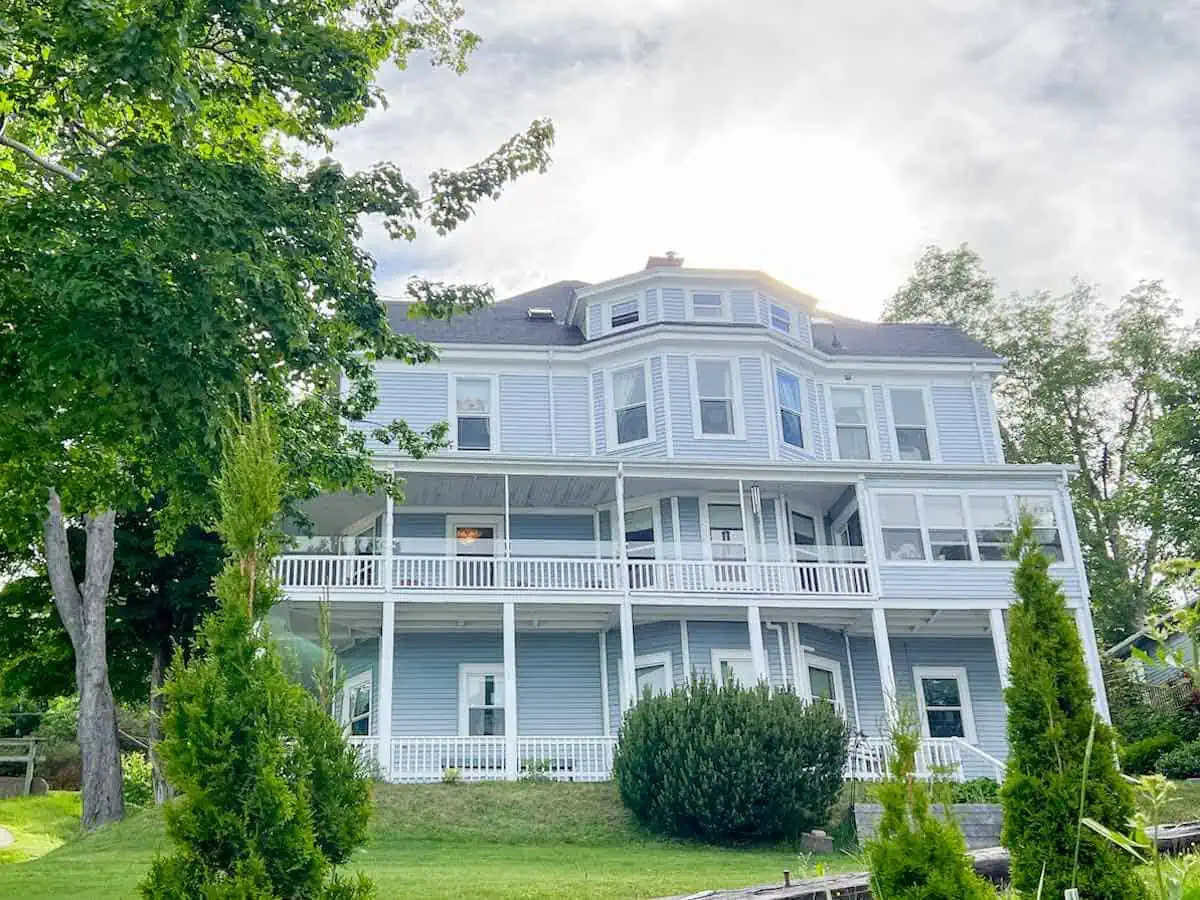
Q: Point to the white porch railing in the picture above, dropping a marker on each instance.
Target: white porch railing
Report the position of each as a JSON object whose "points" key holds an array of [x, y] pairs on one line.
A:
{"points": [[567, 758], [569, 575], [936, 757], [429, 758]]}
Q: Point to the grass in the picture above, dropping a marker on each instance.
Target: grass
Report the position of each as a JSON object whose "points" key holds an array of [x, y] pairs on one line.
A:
{"points": [[524, 840], [1185, 805], [38, 824]]}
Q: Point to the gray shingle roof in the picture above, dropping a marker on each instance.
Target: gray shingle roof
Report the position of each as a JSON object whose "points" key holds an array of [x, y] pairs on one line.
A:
{"points": [[508, 322]]}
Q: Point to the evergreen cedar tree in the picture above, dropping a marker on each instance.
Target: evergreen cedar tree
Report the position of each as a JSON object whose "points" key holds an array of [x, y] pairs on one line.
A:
{"points": [[160, 250], [273, 797], [727, 763], [1050, 719]]}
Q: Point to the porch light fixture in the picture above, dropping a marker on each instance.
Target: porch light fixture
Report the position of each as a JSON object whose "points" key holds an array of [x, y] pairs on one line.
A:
{"points": [[467, 535]]}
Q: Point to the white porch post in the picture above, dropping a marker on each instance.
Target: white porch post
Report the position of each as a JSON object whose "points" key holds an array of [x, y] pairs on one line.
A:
{"points": [[389, 527], [507, 521], [883, 652], [758, 654], [866, 521], [1091, 656], [1000, 642], [628, 676], [387, 645], [512, 765]]}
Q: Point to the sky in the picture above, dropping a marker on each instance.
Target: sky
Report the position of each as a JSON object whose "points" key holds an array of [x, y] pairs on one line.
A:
{"points": [[824, 142]]}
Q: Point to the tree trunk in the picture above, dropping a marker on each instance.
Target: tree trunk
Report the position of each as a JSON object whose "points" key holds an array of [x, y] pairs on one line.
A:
{"points": [[82, 610], [158, 671]]}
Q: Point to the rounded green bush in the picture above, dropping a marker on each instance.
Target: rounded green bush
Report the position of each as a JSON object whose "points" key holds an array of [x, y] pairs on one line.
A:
{"points": [[1182, 762], [1140, 757], [137, 779], [730, 763]]}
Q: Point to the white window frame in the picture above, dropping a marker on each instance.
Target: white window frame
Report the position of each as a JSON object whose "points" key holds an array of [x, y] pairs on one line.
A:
{"points": [[610, 407], [493, 416], [645, 661], [455, 520], [959, 674], [802, 412], [829, 665], [726, 307], [465, 670], [935, 454], [739, 425], [655, 517], [921, 528], [348, 688], [772, 306], [868, 407], [609, 307], [724, 654], [707, 500]]}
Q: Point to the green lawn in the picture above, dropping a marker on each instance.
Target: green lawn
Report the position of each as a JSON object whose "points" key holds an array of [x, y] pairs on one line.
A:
{"points": [[520, 840], [38, 824], [1185, 805]]}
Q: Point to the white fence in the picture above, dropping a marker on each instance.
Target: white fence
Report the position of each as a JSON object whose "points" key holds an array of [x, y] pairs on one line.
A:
{"points": [[569, 575], [431, 758]]}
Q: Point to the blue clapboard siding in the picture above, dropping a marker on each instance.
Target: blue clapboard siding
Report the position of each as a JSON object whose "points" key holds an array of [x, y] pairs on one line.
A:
{"points": [[424, 526], [652, 637], [1154, 673], [689, 526], [983, 680], [525, 414], [571, 419], [770, 535], [551, 527], [668, 528], [674, 308], [593, 323], [419, 397], [425, 683], [704, 637], [754, 445], [958, 581], [743, 307], [658, 424], [804, 328], [599, 419], [881, 423], [558, 683], [605, 525], [653, 309], [957, 420]]}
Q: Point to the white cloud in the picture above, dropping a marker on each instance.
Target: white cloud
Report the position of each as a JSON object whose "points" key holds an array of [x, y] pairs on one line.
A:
{"points": [[825, 143]]}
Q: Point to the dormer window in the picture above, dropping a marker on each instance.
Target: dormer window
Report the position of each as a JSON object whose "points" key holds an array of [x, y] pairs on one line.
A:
{"points": [[709, 305], [625, 313], [781, 318]]}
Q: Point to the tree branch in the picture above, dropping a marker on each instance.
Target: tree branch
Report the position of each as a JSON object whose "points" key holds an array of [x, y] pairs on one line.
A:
{"points": [[67, 598], [48, 164]]}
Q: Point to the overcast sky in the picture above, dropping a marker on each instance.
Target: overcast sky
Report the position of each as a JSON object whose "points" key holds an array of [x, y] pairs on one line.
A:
{"points": [[824, 142]]}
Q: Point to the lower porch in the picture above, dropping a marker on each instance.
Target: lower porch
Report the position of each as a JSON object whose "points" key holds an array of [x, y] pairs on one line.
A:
{"points": [[490, 690]]}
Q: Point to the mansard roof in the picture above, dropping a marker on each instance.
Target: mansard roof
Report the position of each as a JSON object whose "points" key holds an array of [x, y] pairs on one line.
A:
{"points": [[508, 323]]}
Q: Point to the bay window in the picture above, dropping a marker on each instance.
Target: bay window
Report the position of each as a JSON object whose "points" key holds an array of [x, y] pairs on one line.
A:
{"points": [[911, 423], [788, 387], [850, 422]]}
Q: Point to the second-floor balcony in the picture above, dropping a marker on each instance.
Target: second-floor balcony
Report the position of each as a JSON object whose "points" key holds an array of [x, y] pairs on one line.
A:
{"points": [[576, 568]]}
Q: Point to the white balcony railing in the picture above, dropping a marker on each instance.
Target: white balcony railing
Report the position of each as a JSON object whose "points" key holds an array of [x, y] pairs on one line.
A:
{"points": [[936, 757], [567, 574]]}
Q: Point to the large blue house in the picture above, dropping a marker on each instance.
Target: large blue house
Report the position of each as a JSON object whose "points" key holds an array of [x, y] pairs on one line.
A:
{"points": [[678, 471]]}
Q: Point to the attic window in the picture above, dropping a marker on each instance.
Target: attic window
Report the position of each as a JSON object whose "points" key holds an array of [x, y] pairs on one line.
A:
{"points": [[624, 313], [540, 313]]}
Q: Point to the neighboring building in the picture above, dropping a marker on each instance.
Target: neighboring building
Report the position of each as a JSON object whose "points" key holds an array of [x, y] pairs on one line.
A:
{"points": [[671, 472], [1154, 672]]}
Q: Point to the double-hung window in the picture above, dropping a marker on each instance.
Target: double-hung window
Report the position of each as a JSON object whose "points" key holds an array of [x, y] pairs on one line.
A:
{"points": [[709, 305], [356, 705], [781, 318], [911, 423], [624, 313], [714, 392], [900, 524], [788, 387], [993, 523], [480, 701], [825, 681], [850, 422], [473, 409], [631, 412], [944, 702], [734, 667], [1045, 530], [947, 526]]}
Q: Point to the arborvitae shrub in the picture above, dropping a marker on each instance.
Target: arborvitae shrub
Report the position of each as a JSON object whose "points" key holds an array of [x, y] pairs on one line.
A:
{"points": [[1050, 718], [915, 855], [730, 763], [272, 797]]}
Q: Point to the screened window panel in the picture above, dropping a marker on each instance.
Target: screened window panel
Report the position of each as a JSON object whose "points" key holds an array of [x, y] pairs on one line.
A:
{"points": [[789, 390], [713, 378], [1040, 509], [629, 386], [473, 396], [781, 318], [945, 723], [908, 407], [849, 406], [903, 544], [941, 692], [949, 544], [897, 510], [716, 417], [912, 444], [633, 424], [724, 515], [853, 442], [993, 526], [485, 721]]}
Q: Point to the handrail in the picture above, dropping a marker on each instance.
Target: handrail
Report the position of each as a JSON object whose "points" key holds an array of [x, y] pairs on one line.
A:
{"points": [[999, 765]]}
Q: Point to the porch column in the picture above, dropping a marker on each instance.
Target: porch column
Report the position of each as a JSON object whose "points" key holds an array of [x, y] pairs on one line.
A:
{"points": [[1091, 657], [512, 765], [866, 520], [387, 645], [883, 652], [628, 669], [389, 526], [1000, 642], [758, 655]]}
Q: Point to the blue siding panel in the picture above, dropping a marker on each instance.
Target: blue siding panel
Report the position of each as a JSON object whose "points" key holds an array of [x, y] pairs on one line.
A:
{"points": [[770, 534], [653, 310], [754, 445], [743, 307], [424, 526], [957, 424], [419, 397], [881, 423], [704, 637], [525, 414], [558, 684], [673, 305], [958, 581], [425, 691], [594, 321], [804, 329], [668, 528], [689, 527], [571, 417], [551, 527], [599, 417]]}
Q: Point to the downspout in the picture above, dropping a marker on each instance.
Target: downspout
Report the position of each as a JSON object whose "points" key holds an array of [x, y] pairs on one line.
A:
{"points": [[798, 661], [783, 662]]}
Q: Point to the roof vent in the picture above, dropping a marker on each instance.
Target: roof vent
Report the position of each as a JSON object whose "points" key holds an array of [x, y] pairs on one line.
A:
{"points": [[671, 261], [540, 313]]}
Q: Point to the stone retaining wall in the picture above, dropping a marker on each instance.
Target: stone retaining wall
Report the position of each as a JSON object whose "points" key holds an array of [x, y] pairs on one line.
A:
{"points": [[980, 822]]}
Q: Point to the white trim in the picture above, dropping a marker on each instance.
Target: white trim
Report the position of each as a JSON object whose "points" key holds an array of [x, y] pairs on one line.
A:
{"points": [[719, 654], [348, 687], [387, 659], [466, 670], [867, 393], [610, 407], [735, 399], [676, 528], [926, 392], [726, 307], [494, 444], [457, 520], [668, 425], [813, 661], [993, 418], [1000, 644], [685, 651], [550, 394], [959, 674], [650, 660]]}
